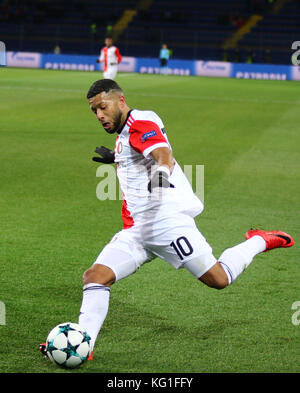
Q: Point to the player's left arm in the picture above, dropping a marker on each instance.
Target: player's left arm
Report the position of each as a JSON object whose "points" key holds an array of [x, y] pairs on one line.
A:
{"points": [[107, 156], [147, 138], [164, 158], [118, 55]]}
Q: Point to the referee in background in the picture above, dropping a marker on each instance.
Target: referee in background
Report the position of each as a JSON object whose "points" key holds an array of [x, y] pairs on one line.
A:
{"points": [[164, 55]]}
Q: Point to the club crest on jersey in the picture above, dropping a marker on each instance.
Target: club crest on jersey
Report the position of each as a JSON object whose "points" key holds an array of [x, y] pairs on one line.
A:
{"points": [[119, 147], [147, 135]]}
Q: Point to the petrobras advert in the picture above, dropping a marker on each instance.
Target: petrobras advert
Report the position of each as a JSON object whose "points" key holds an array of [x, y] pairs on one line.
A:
{"points": [[151, 66], [82, 63], [262, 71], [213, 68], [69, 62], [127, 64], [174, 67], [295, 73], [23, 59]]}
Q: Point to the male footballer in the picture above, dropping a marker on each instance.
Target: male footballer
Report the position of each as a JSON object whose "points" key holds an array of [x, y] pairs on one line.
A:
{"points": [[158, 210], [110, 56]]}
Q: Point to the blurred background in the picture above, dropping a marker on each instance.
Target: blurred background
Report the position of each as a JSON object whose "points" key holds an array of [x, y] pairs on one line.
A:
{"points": [[250, 31]]}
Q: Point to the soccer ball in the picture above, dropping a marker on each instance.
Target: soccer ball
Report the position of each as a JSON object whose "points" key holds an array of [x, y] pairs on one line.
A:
{"points": [[68, 345]]}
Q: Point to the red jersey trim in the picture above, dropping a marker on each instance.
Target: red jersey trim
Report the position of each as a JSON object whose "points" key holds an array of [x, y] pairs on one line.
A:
{"points": [[105, 58], [144, 134], [128, 221], [118, 55], [130, 121]]}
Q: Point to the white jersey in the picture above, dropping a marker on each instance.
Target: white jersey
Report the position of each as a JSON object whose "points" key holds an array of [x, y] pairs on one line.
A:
{"points": [[111, 57], [142, 133]]}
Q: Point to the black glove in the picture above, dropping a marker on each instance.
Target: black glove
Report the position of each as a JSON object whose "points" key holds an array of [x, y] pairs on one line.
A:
{"points": [[108, 156], [159, 179]]}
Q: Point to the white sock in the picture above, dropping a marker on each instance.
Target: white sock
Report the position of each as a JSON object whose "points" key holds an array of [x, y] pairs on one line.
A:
{"points": [[94, 308], [236, 259]]}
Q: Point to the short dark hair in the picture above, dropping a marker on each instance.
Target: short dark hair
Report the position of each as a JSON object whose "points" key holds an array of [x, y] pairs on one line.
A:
{"points": [[101, 85]]}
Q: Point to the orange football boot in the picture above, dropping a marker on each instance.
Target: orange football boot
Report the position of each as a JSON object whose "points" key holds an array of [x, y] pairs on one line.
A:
{"points": [[273, 239]]}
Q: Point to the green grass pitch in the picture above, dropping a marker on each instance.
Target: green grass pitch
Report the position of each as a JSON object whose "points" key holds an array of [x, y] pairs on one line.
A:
{"points": [[247, 135]]}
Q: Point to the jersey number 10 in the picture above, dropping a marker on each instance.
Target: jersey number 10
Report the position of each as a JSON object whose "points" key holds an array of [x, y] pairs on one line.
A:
{"points": [[182, 247]]}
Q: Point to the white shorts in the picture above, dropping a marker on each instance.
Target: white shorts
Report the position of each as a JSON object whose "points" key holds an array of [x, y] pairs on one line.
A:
{"points": [[176, 240], [111, 72]]}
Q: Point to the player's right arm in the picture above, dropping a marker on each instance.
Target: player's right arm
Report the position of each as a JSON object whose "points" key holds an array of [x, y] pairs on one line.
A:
{"points": [[101, 57]]}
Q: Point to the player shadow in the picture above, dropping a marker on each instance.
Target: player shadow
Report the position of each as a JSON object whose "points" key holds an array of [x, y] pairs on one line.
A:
{"points": [[145, 332]]}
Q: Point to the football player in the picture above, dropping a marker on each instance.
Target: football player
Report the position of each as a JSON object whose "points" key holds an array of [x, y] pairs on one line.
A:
{"points": [[158, 210], [110, 56]]}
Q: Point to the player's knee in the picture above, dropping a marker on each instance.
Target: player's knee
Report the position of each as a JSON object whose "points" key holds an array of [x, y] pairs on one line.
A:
{"points": [[219, 283], [215, 277], [99, 274]]}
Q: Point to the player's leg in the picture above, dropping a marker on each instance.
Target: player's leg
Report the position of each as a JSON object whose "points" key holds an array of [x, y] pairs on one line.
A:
{"points": [[163, 66], [184, 246], [233, 261], [178, 241], [229, 266], [97, 281], [236, 259], [214, 277], [111, 72], [119, 259], [166, 68]]}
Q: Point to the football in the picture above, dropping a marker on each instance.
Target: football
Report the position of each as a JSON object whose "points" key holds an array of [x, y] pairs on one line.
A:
{"points": [[68, 345]]}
